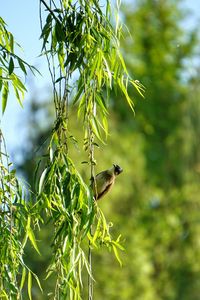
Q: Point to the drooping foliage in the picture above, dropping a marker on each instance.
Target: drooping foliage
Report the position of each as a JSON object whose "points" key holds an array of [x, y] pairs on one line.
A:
{"points": [[16, 221], [10, 62], [81, 47]]}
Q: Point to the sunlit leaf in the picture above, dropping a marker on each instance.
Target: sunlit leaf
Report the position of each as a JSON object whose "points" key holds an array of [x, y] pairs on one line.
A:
{"points": [[117, 255], [5, 96], [23, 278], [42, 179]]}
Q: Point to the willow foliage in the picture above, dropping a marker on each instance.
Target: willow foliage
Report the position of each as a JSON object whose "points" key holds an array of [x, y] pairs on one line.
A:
{"points": [[82, 49], [16, 223], [81, 46], [9, 63], [16, 214]]}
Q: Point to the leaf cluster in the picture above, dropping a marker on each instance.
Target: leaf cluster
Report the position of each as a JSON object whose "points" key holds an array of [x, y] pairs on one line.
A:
{"points": [[68, 203], [84, 42], [15, 229], [10, 63]]}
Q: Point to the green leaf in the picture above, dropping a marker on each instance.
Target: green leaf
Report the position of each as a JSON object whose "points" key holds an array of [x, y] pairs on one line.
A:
{"points": [[109, 74], [29, 285], [60, 35], [1, 81], [22, 66], [96, 129], [19, 85], [117, 254], [139, 87], [42, 178], [125, 92], [23, 278], [11, 66], [33, 240], [11, 43], [78, 94], [4, 96], [19, 88], [31, 235], [38, 281]]}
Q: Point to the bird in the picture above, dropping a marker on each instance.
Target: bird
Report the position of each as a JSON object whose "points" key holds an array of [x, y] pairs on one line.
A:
{"points": [[103, 181]]}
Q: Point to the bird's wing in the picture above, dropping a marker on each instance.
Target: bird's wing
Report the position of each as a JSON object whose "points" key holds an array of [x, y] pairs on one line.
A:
{"points": [[102, 184]]}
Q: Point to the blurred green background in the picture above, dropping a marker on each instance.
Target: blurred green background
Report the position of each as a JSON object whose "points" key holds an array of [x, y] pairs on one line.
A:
{"points": [[155, 203]]}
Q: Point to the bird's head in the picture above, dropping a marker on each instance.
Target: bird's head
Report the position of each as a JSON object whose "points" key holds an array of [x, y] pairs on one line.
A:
{"points": [[117, 169]]}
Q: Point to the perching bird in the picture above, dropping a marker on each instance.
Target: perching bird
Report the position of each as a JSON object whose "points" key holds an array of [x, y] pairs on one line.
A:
{"points": [[104, 181]]}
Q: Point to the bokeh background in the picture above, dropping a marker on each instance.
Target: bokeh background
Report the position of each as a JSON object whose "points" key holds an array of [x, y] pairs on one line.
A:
{"points": [[155, 203]]}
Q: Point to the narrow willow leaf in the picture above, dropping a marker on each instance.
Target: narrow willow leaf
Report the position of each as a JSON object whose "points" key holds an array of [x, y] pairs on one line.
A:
{"points": [[42, 179], [5, 96], [11, 66], [33, 240], [11, 43], [80, 267], [124, 90], [18, 87], [61, 58], [29, 285], [59, 32], [93, 68], [65, 244], [105, 125], [100, 101], [18, 83], [38, 281], [117, 254], [78, 94], [122, 62], [138, 86], [31, 235], [97, 233], [22, 66], [23, 278], [95, 128], [1, 75], [108, 71], [51, 154], [116, 243], [24, 240], [49, 273]]}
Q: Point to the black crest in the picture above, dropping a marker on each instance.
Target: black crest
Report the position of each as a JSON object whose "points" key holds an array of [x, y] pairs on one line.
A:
{"points": [[118, 169]]}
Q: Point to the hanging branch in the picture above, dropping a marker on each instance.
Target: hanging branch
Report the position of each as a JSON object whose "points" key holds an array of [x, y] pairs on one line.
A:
{"points": [[78, 42]]}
